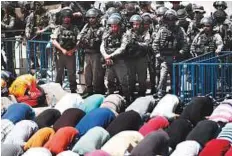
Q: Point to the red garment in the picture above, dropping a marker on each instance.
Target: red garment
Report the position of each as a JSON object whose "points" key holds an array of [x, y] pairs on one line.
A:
{"points": [[32, 98], [62, 138], [216, 147], [153, 125], [229, 152]]}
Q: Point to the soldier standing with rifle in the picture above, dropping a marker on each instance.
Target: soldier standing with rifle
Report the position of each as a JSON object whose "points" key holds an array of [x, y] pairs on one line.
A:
{"points": [[90, 40], [137, 41], [113, 54], [38, 22], [64, 39], [169, 44]]}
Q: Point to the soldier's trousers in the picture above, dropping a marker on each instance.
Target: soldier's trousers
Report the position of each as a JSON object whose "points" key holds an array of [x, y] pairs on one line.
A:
{"points": [[68, 62], [9, 51], [165, 69], [120, 70], [94, 73], [154, 70], [138, 66]]}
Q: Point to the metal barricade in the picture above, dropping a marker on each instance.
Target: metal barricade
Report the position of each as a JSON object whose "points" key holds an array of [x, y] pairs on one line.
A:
{"points": [[204, 75], [41, 61], [13, 55]]}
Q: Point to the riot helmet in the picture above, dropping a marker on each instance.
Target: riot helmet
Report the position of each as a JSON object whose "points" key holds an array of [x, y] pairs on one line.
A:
{"points": [[147, 20], [92, 13], [220, 16], [206, 21], [170, 15], [137, 22], [161, 11], [92, 16], [114, 22], [66, 16], [111, 10], [220, 5], [207, 24]]}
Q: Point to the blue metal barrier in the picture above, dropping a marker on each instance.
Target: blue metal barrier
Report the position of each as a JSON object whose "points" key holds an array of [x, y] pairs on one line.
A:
{"points": [[203, 75]]}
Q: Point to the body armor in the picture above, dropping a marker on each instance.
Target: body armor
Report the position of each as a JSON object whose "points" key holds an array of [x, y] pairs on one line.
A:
{"points": [[41, 21], [91, 38], [168, 43], [67, 38], [205, 44], [112, 43]]}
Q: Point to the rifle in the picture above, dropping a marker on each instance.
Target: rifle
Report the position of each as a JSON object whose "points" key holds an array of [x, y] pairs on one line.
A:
{"points": [[80, 38]]}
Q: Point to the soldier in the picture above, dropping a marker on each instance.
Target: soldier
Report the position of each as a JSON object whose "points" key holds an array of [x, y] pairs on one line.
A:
{"points": [[137, 48], [195, 26], [147, 21], [183, 21], [64, 39], [8, 23], [113, 54], [130, 9], [160, 13], [169, 44], [90, 40], [224, 27], [207, 40], [220, 5], [38, 22]]}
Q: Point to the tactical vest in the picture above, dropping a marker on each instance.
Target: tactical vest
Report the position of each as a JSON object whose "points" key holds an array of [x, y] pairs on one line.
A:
{"points": [[92, 36], [40, 20], [112, 43], [169, 43], [205, 44], [67, 38]]}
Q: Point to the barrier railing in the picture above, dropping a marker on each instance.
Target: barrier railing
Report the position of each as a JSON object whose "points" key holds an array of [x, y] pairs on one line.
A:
{"points": [[204, 75], [36, 55], [41, 61], [13, 54]]}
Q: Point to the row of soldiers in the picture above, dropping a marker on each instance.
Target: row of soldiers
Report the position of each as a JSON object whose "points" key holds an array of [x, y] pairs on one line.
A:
{"points": [[127, 39]]}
